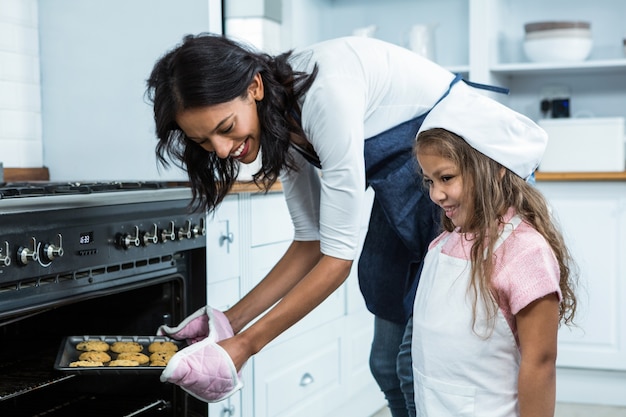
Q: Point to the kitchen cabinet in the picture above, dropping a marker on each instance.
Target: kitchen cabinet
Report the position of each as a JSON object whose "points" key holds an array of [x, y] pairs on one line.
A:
{"points": [[483, 40], [320, 366], [223, 276], [592, 356], [597, 86]]}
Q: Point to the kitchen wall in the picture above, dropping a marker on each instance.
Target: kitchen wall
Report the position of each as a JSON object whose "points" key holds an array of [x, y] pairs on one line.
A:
{"points": [[20, 98], [72, 78]]}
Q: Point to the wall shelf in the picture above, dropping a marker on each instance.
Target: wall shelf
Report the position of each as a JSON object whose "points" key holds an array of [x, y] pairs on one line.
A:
{"points": [[604, 66]]}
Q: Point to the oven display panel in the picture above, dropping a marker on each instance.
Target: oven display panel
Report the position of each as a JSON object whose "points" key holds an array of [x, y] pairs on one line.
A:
{"points": [[86, 238]]}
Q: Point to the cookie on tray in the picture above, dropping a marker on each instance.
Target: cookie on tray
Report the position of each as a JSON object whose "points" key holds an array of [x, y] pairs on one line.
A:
{"points": [[123, 362], [85, 364], [93, 345], [94, 356], [165, 346], [134, 356], [119, 347], [161, 357]]}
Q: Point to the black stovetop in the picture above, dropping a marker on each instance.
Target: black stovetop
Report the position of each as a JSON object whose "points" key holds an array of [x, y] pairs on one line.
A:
{"points": [[36, 188]]}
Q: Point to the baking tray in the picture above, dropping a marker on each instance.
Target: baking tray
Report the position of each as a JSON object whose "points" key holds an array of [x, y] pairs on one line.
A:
{"points": [[68, 353]]}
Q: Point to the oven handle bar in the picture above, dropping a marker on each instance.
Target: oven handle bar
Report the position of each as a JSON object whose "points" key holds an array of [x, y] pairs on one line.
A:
{"points": [[159, 405]]}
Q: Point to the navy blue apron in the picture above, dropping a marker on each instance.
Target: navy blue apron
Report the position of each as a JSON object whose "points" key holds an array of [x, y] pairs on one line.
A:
{"points": [[403, 220]]}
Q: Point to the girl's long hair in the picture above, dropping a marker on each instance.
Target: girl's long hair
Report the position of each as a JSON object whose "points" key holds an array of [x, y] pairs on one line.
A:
{"points": [[209, 69], [492, 194]]}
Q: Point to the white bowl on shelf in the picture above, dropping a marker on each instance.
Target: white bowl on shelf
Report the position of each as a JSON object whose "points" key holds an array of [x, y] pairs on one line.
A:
{"points": [[557, 41]]}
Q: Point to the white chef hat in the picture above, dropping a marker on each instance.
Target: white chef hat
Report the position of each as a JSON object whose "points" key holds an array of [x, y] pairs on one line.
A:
{"points": [[491, 128]]}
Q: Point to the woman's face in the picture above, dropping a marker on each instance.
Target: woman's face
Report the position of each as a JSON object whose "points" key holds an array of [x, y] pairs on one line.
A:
{"points": [[445, 186], [229, 129]]}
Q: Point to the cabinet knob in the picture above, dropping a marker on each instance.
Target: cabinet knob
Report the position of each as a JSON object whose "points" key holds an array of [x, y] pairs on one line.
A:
{"points": [[307, 379], [228, 411]]}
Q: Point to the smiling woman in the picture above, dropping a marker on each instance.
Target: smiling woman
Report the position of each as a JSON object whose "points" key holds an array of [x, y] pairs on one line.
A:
{"points": [[319, 118]]}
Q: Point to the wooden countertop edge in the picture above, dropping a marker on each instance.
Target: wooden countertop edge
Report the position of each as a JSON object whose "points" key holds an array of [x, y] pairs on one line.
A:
{"points": [[42, 174], [580, 176], [250, 187], [26, 174]]}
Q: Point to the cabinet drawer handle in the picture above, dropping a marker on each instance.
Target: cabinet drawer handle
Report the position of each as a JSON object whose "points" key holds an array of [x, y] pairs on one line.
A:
{"points": [[228, 412], [227, 238], [307, 379]]}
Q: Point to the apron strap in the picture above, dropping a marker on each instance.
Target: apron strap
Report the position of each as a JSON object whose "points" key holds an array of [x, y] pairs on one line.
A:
{"points": [[493, 88], [507, 230]]}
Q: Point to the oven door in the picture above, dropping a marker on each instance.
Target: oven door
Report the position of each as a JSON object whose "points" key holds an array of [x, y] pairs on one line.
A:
{"points": [[29, 344]]}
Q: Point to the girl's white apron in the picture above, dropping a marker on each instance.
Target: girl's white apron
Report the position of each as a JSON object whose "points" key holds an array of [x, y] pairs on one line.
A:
{"points": [[459, 372]]}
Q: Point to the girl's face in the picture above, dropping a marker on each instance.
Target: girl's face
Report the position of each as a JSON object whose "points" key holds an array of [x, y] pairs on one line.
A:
{"points": [[230, 129], [445, 186]]}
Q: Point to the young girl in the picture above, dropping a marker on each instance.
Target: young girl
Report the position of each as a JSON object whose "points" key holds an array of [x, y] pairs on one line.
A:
{"points": [[497, 282]]}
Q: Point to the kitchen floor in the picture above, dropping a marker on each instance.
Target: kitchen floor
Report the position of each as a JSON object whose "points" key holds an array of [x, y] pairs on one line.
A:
{"points": [[563, 410]]}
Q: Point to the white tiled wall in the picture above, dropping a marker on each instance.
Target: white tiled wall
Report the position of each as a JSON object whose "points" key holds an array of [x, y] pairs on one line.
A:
{"points": [[20, 94]]}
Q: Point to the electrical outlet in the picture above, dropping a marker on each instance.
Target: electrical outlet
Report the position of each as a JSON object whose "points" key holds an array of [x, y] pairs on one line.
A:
{"points": [[555, 101]]}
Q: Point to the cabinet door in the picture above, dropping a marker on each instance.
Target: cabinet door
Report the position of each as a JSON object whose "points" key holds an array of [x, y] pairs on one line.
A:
{"points": [[271, 233], [223, 241], [300, 377], [230, 407], [593, 218]]}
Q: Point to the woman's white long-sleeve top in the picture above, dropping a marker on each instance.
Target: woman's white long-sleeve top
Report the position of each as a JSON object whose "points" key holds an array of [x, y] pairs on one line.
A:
{"points": [[364, 87]]}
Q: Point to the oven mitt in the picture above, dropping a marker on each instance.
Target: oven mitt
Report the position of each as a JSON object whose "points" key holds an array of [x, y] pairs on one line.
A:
{"points": [[204, 370], [199, 325]]}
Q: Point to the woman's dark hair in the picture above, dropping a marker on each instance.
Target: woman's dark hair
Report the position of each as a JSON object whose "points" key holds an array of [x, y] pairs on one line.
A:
{"points": [[208, 69]]}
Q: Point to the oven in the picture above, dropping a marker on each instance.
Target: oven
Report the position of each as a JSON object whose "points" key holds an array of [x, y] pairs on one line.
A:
{"points": [[94, 259]]}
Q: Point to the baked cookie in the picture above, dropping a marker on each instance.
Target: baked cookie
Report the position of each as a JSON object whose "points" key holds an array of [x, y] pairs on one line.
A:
{"points": [[85, 364], [161, 357], [134, 356], [93, 345], [119, 347], [165, 346], [94, 356], [123, 362], [158, 363]]}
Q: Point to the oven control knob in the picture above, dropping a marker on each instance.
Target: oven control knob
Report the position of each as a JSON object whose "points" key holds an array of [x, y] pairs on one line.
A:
{"points": [[185, 231], [5, 259], [149, 237], [199, 230], [128, 240], [51, 251], [168, 234], [25, 255]]}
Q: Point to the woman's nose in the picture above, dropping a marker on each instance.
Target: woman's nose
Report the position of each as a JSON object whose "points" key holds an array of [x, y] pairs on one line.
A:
{"points": [[221, 146]]}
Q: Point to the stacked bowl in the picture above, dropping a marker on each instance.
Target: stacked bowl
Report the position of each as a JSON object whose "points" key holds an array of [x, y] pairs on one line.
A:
{"points": [[557, 41]]}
